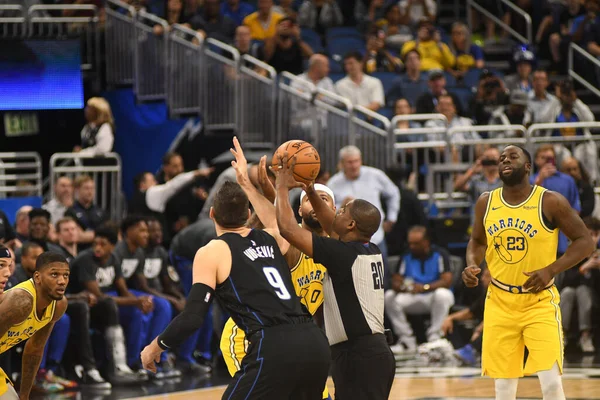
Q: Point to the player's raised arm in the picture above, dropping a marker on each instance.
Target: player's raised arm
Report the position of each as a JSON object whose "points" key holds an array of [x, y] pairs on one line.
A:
{"points": [[556, 208], [34, 350], [288, 227], [324, 213], [477, 244], [205, 277]]}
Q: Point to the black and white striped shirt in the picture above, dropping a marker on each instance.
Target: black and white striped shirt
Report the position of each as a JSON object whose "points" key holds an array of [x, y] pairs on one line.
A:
{"points": [[353, 288]]}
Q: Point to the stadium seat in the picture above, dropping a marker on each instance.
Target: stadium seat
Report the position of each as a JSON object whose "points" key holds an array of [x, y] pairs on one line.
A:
{"points": [[340, 46], [386, 79], [464, 94], [343, 32], [313, 39], [387, 112], [450, 80], [336, 76]]}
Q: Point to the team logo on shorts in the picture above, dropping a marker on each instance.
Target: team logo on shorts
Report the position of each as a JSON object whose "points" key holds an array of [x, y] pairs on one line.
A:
{"points": [[511, 246]]}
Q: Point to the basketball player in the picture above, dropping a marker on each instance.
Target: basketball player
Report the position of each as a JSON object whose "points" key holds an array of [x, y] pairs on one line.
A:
{"points": [[363, 364], [29, 311], [516, 229], [307, 276], [245, 268]]}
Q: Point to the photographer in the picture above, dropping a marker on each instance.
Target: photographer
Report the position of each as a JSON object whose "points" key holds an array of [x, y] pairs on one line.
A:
{"points": [[434, 53], [491, 95], [286, 51], [378, 58]]}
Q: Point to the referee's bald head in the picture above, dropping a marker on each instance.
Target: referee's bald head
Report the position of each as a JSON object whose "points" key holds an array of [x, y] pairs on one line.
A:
{"points": [[366, 216]]}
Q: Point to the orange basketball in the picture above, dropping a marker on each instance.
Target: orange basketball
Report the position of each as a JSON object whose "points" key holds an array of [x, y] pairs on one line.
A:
{"points": [[308, 162]]}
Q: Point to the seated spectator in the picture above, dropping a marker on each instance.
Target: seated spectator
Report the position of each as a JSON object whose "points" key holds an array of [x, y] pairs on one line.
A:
{"points": [[8, 237], [434, 53], [516, 113], [378, 58], [236, 10], [62, 200], [366, 12], [212, 24], [263, 23], [481, 177], [360, 89], [577, 293], [320, 15], [97, 136], [286, 50], [317, 74], [560, 38], [396, 33], [175, 13], [402, 107], [427, 102], [414, 11], [243, 42], [583, 28], [491, 94], [88, 215], [574, 168], [67, 233], [39, 226], [22, 223], [539, 98], [420, 285], [550, 178], [410, 85], [522, 80], [467, 54]]}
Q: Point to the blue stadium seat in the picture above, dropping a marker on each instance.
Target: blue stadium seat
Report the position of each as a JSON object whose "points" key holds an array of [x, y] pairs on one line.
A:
{"points": [[336, 76], [450, 80], [335, 67], [387, 112], [472, 76], [341, 45], [343, 32], [386, 79], [464, 94], [313, 39]]}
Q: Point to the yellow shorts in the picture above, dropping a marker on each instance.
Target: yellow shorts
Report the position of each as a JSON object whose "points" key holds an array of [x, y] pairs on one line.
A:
{"points": [[4, 382], [512, 322], [234, 345]]}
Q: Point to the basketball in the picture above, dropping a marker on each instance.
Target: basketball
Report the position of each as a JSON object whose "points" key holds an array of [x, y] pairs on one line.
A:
{"points": [[308, 162]]}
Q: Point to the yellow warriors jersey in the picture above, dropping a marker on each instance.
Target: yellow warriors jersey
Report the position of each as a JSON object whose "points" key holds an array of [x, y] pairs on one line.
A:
{"points": [[518, 239], [26, 329]]}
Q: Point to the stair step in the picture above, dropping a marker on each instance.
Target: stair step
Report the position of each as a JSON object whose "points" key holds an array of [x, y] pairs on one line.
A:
{"points": [[498, 65]]}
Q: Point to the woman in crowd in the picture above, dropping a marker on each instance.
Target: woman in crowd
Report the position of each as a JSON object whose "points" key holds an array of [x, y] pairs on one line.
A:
{"points": [[97, 136]]}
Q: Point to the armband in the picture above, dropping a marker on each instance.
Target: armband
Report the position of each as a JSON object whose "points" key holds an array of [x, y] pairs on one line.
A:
{"points": [[190, 319]]}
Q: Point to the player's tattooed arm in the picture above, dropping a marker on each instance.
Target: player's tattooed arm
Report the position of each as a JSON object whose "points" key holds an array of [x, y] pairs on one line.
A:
{"points": [[15, 307], [477, 244], [34, 351]]}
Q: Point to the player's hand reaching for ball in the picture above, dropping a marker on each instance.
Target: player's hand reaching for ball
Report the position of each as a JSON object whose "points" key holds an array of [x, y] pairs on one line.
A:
{"points": [[285, 173], [150, 356], [538, 280], [263, 180], [240, 165], [469, 276]]}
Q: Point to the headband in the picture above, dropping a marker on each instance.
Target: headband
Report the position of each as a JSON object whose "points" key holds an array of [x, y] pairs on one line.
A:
{"points": [[4, 253], [321, 188]]}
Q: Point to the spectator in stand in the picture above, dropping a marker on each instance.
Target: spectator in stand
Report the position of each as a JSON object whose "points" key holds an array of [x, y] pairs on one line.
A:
{"points": [[378, 58], [574, 168], [434, 53], [8, 236], [358, 181], [366, 12], [491, 94], [428, 101], [360, 89], [286, 51], [68, 236], [414, 11], [410, 85], [212, 24], [317, 74], [62, 200], [39, 226], [467, 54], [560, 38], [88, 215], [516, 113], [583, 28], [96, 275], [420, 284], [320, 15], [243, 42], [237, 10], [97, 136], [396, 32], [481, 177], [550, 178], [22, 223], [571, 109], [578, 291], [539, 98], [175, 13], [402, 107], [263, 23], [522, 80]]}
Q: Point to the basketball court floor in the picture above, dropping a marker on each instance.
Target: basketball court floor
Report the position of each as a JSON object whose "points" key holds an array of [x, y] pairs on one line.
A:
{"points": [[414, 380]]}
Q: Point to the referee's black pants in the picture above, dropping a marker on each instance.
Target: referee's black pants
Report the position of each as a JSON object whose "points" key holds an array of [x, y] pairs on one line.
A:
{"points": [[363, 368]]}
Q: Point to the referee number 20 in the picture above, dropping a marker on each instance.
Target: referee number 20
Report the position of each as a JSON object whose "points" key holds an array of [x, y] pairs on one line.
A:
{"points": [[377, 269], [275, 280]]}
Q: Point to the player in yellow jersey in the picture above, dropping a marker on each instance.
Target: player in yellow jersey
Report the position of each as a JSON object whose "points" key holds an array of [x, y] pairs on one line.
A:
{"points": [[516, 230], [29, 311], [307, 276]]}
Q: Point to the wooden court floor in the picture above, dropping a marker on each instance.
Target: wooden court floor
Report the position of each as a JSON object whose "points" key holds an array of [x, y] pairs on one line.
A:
{"points": [[419, 388]]}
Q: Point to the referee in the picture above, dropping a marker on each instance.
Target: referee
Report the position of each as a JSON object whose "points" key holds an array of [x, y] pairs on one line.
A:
{"points": [[363, 365]]}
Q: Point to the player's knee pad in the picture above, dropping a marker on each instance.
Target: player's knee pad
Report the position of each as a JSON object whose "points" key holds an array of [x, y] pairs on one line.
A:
{"points": [[551, 383], [506, 389]]}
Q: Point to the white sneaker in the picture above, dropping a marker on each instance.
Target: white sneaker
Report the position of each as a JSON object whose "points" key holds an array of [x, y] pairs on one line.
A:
{"points": [[587, 346]]}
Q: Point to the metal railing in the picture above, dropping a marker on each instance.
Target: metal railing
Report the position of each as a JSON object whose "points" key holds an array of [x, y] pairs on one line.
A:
{"points": [[12, 21], [525, 40], [120, 43], [105, 171], [574, 48], [184, 70], [296, 112], [150, 55], [20, 174], [372, 136]]}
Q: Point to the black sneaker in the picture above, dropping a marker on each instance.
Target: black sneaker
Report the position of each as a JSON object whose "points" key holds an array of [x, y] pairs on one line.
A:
{"points": [[164, 370], [194, 368], [93, 378]]}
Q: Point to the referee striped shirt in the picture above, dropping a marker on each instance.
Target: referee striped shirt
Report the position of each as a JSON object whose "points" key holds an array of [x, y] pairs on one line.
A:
{"points": [[353, 288]]}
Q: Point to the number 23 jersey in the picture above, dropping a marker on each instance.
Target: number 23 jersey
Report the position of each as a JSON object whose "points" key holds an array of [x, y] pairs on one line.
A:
{"points": [[519, 238]]}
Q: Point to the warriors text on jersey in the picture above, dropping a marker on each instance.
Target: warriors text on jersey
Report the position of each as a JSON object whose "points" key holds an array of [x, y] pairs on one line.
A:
{"points": [[518, 238]]}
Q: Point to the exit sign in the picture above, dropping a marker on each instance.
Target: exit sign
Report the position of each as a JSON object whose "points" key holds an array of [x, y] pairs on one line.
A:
{"points": [[20, 124]]}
